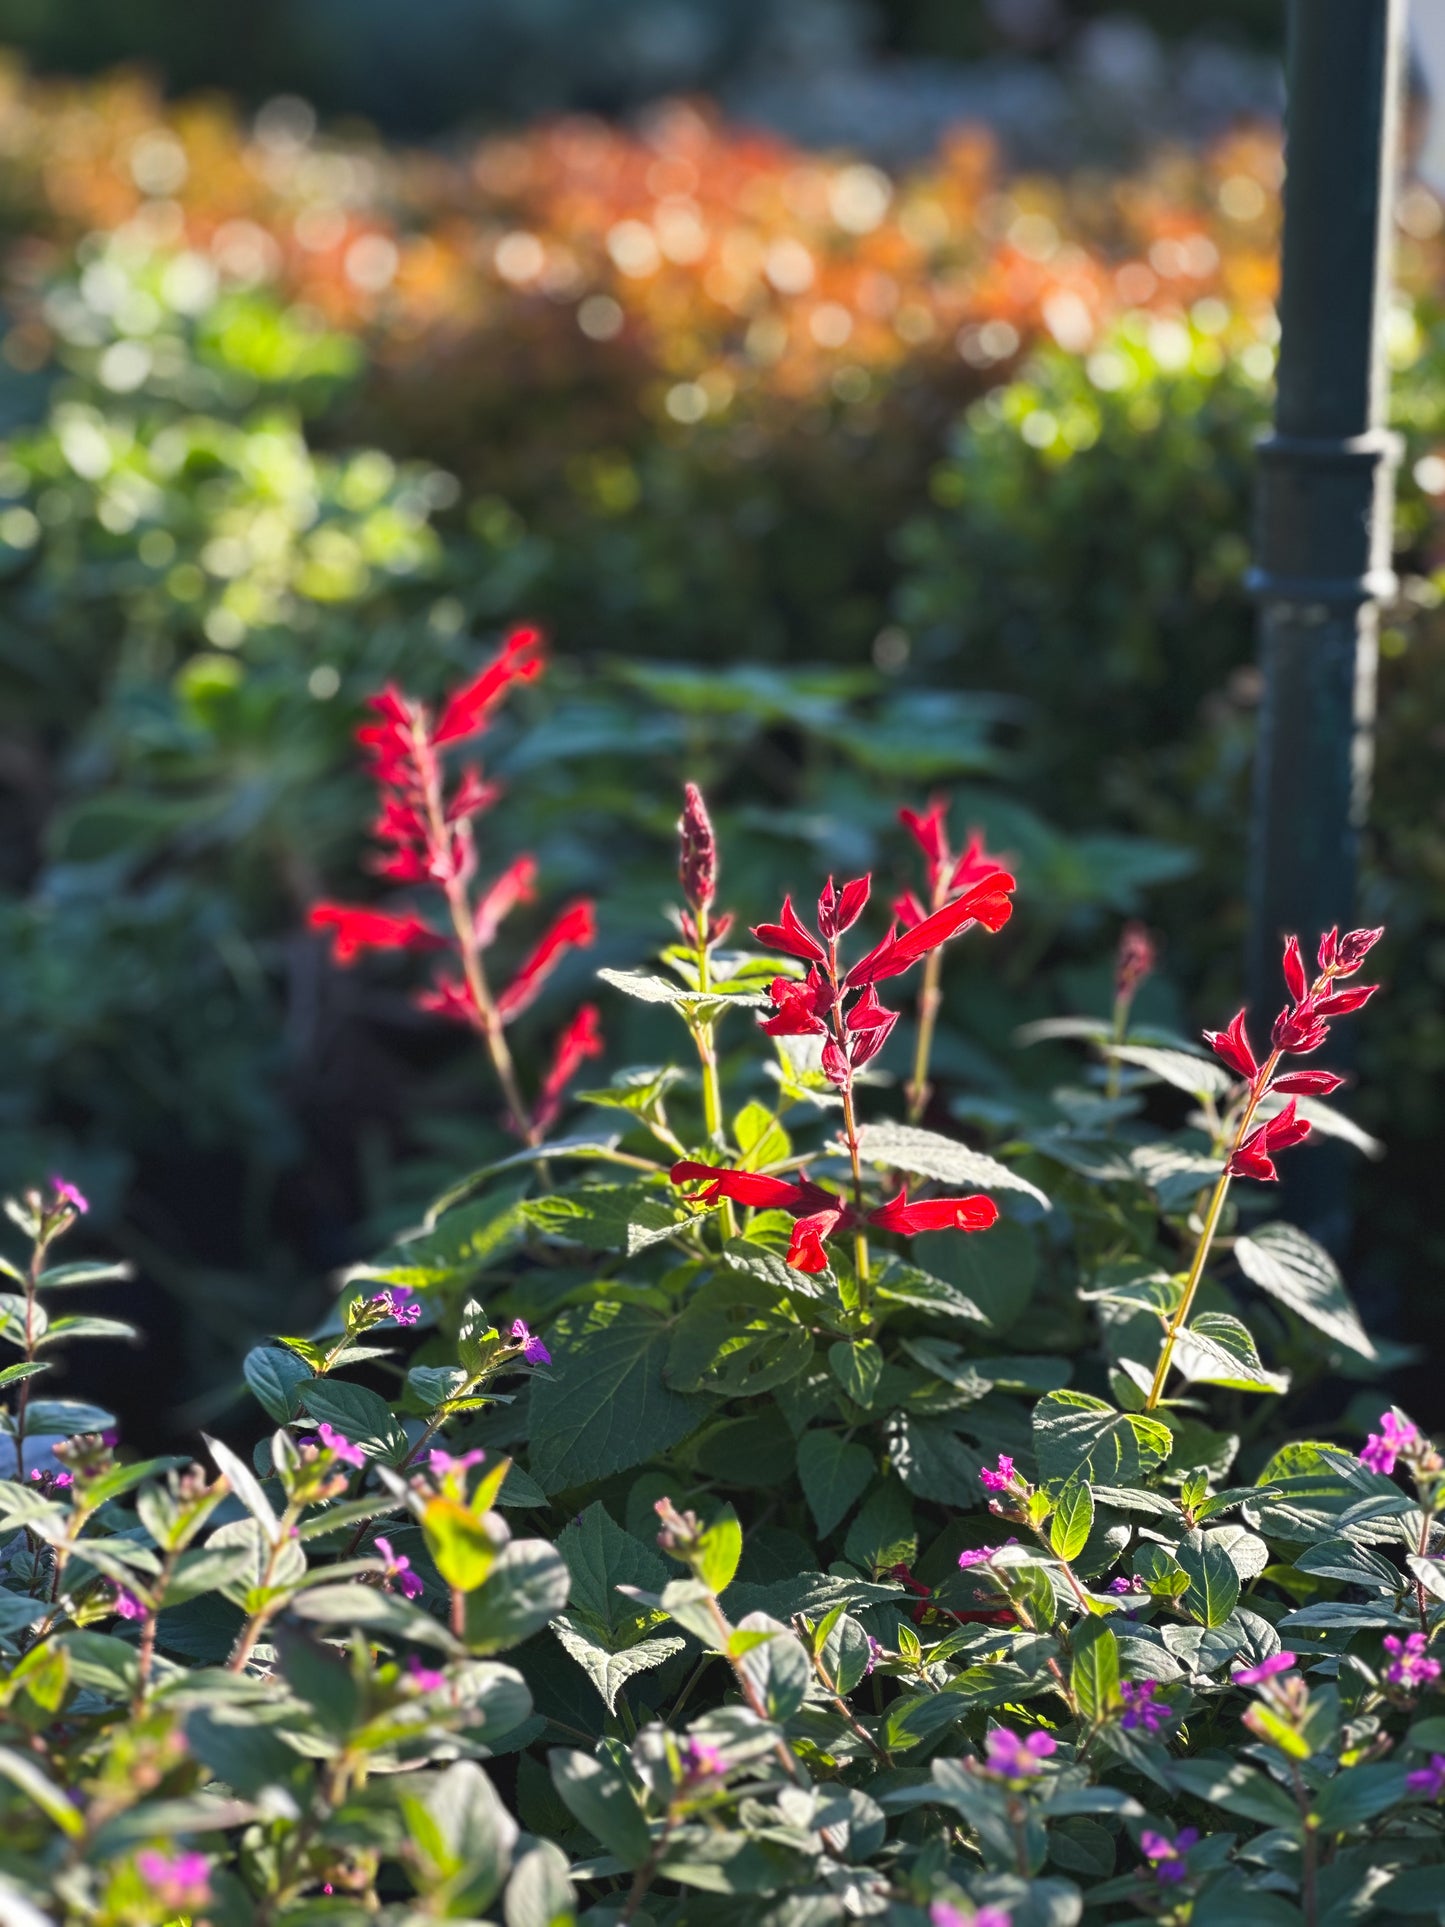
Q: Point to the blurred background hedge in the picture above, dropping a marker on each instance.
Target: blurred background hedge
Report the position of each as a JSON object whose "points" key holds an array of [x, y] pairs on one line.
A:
{"points": [[834, 484]]}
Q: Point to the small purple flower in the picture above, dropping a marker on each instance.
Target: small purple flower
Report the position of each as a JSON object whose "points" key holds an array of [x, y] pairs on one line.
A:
{"points": [[1143, 1713], [1392, 1441], [426, 1679], [399, 1304], [533, 1350], [1429, 1780], [1266, 1669], [876, 1651], [976, 1556], [943, 1913], [52, 1481], [1412, 1667], [701, 1759], [338, 1443], [1000, 1480], [1120, 1584], [125, 1605], [398, 1567], [1167, 1856], [177, 1882], [444, 1466], [69, 1194], [1014, 1757]]}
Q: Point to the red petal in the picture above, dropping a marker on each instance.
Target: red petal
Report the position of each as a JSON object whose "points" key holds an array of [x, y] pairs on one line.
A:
{"points": [[1294, 971], [355, 930], [908, 910], [512, 887], [805, 1251], [929, 832], [580, 1040], [1233, 1046], [986, 903], [467, 710], [1339, 1003], [1308, 1083], [575, 928], [789, 936], [743, 1187], [975, 1213]]}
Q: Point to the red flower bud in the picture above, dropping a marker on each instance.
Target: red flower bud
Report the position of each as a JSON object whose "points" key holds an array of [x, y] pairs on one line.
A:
{"points": [[840, 910], [1339, 1003], [1234, 1047], [789, 936], [697, 864], [1308, 1083], [1294, 971], [1299, 1030], [1135, 960]]}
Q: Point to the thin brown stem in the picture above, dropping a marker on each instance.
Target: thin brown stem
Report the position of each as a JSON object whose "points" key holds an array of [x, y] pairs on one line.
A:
{"points": [[32, 1283]]}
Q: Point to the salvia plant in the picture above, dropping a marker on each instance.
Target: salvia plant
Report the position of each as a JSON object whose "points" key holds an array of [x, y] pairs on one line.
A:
{"points": [[767, 1504]]}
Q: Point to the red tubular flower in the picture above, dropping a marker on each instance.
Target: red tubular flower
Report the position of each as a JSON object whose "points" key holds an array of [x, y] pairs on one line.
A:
{"points": [[467, 711], [1339, 1003], [987, 902], [930, 833], [580, 1040], [1294, 971], [869, 1026], [1300, 1030], [574, 929], [798, 1008], [1347, 953], [789, 936], [450, 998], [471, 796], [353, 931], [754, 1188], [840, 910], [1234, 1047], [1281, 1133], [805, 1248], [1308, 1083], [935, 1214], [513, 886], [908, 910]]}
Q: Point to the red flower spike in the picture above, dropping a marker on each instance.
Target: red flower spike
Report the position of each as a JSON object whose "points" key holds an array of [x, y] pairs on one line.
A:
{"points": [[697, 862], [1339, 1003], [1294, 971], [1135, 959], [466, 712], [1251, 1161], [840, 910], [805, 1248], [574, 929], [986, 903], [1308, 1083], [513, 886], [1234, 1047], [789, 936], [798, 1008], [580, 1040], [930, 833], [935, 1214], [353, 931]]}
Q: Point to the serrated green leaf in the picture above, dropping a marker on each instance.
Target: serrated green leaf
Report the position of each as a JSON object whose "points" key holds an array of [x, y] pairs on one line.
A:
{"points": [[927, 1154], [1217, 1349], [833, 1473], [607, 1404], [1290, 1266], [275, 1377], [1080, 1437]]}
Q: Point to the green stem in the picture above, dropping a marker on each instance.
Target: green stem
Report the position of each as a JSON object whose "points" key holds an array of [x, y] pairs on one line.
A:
{"points": [[930, 999], [703, 1039]]}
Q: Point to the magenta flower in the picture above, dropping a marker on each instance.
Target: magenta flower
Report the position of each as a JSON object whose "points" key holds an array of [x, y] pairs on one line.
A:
{"points": [[876, 1651], [1016, 1758], [426, 1679], [177, 1882], [69, 1194], [398, 1567], [943, 1913], [701, 1759], [1392, 1441], [400, 1304], [1266, 1669], [1121, 1584], [533, 1350], [1002, 1479], [1167, 1856], [1412, 1668], [1429, 1780], [975, 1556], [444, 1466], [52, 1481], [125, 1605], [1143, 1713], [338, 1443]]}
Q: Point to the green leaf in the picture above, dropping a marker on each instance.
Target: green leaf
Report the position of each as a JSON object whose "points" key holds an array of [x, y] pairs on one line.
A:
{"points": [[86, 1271], [67, 1415], [606, 1405], [84, 1325], [613, 1217], [1213, 1591], [13, 1373], [737, 1337], [275, 1376], [610, 1669], [1073, 1520], [539, 1893], [897, 1283], [38, 1787], [993, 1271], [246, 1487], [1291, 1267], [719, 1548], [1095, 1672], [927, 1154], [778, 1666], [933, 1461], [526, 1587], [1216, 1349], [759, 1136], [601, 1557], [453, 1250], [595, 1793], [361, 1414], [1199, 1076], [374, 1611], [833, 1473], [883, 1535], [1237, 1788], [1079, 1437], [658, 990], [464, 1838], [857, 1366]]}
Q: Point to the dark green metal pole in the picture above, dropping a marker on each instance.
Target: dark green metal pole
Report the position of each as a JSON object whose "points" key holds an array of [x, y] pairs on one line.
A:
{"points": [[1326, 494]]}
